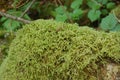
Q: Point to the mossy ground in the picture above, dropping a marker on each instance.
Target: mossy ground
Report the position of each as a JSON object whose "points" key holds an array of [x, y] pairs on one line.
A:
{"points": [[5, 40], [50, 50]]}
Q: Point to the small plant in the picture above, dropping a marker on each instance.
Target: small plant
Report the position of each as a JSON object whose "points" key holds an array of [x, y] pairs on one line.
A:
{"points": [[83, 12], [97, 10], [110, 23], [12, 25], [62, 13]]}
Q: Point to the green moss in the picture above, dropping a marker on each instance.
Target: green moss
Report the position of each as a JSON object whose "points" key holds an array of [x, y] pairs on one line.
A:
{"points": [[49, 50]]}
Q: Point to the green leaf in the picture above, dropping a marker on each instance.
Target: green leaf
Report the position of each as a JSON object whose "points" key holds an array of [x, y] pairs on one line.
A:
{"points": [[77, 13], [104, 11], [94, 14], [103, 1], [34, 6], [109, 22], [18, 14], [15, 25], [61, 9], [14, 12], [14, 4], [11, 25], [25, 6], [27, 17], [116, 28], [111, 5], [93, 4], [7, 24], [61, 18], [76, 4], [3, 19]]}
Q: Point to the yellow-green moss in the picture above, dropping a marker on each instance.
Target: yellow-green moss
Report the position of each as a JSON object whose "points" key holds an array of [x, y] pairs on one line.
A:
{"points": [[49, 50]]}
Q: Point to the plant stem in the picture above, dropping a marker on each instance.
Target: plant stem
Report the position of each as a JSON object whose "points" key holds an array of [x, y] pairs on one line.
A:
{"points": [[14, 17]]}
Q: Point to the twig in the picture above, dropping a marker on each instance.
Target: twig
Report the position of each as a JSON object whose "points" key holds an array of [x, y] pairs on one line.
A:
{"points": [[19, 4], [115, 16], [14, 18], [28, 8]]}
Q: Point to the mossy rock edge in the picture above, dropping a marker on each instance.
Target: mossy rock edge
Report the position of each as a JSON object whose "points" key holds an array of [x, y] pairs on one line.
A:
{"points": [[50, 50]]}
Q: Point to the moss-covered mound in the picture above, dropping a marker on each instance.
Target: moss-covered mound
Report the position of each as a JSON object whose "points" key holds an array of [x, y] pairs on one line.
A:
{"points": [[49, 50]]}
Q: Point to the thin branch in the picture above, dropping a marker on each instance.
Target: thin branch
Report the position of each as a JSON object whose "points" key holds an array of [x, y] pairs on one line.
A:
{"points": [[14, 18], [115, 16], [28, 8], [19, 4]]}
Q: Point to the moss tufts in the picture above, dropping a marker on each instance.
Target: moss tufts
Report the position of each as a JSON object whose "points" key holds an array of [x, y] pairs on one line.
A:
{"points": [[49, 50]]}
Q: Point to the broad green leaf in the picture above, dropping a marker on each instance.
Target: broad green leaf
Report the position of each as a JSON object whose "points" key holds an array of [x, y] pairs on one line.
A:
{"points": [[61, 18], [61, 9], [94, 14], [109, 22], [116, 28], [76, 4], [77, 13], [111, 5], [93, 4]]}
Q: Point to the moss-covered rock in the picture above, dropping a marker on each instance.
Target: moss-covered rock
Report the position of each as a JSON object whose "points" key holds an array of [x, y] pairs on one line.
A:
{"points": [[49, 50]]}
